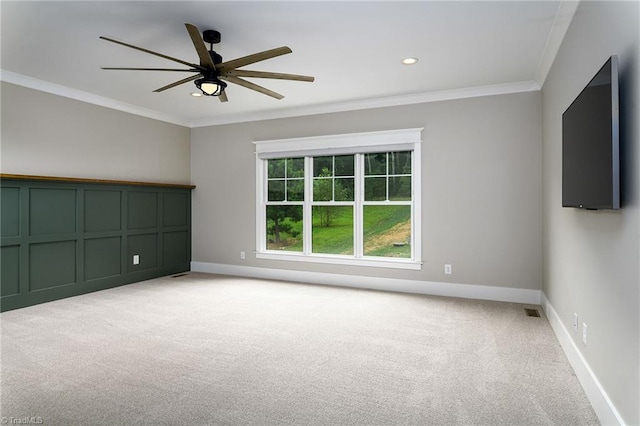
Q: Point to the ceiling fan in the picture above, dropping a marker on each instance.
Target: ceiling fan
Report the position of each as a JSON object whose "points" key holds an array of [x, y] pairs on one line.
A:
{"points": [[212, 72]]}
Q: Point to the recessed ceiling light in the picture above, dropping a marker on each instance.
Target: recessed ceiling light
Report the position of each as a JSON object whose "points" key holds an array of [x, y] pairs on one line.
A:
{"points": [[409, 61], [195, 94]]}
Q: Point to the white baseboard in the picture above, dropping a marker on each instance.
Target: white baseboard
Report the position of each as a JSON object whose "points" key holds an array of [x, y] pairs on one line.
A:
{"points": [[602, 405], [467, 291]]}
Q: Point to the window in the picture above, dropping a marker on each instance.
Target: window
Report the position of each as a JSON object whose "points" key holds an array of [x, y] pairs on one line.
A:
{"points": [[350, 199], [285, 196]]}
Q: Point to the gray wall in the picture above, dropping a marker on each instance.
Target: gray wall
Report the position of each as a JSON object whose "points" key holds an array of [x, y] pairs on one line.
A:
{"points": [[591, 259], [44, 134], [481, 188]]}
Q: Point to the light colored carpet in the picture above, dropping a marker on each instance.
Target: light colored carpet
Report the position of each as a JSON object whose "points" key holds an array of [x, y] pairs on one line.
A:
{"points": [[206, 349]]}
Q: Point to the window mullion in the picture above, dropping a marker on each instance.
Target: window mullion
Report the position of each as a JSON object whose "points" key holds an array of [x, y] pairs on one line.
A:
{"points": [[387, 176], [333, 178], [357, 208], [306, 209], [286, 161]]}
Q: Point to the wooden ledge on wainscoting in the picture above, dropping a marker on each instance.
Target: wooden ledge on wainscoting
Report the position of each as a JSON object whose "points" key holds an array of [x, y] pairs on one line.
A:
{"points": [[98, 181]]}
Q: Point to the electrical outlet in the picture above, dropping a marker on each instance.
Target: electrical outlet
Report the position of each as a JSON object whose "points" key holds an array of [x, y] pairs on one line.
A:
{"points": [[584, 333], [447, 268], [575, 322], [242, 255], [136, 259]]}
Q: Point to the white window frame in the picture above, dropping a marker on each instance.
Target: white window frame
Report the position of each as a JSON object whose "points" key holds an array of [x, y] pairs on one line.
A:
{"points": [[351, 143]]}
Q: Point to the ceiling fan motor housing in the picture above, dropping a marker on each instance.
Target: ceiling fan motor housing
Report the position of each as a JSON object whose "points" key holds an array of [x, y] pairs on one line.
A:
{"points": [[217, 59], [211, 36]]}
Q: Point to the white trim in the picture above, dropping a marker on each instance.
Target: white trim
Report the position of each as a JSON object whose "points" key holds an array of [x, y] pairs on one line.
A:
{"points": [[79, 95], [564, 15], [261, 226], [353, 105], [390, 101], [468, 291], [396, 263], [352, 142], [602, 405], [416, 197]]}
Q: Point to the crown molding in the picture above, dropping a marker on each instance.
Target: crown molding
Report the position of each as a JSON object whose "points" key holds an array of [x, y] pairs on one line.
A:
{"points": [[80, 95], [564, 15], [415, 98]]}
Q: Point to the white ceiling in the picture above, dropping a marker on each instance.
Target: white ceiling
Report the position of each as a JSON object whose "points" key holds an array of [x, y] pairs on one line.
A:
{"points": [[354, 50]]}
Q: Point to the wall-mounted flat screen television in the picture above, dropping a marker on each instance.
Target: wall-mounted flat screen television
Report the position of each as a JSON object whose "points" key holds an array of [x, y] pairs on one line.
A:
{"points": [[590, 144]]}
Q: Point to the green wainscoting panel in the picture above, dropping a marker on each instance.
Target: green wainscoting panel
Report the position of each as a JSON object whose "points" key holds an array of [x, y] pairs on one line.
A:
{"points": [[142, 210], [102, 258], [52, 211], [146, 248], [10, 270], [52, 264], [175, 247], [10, 213], [65, 237], [102, 210], [175, 209]]}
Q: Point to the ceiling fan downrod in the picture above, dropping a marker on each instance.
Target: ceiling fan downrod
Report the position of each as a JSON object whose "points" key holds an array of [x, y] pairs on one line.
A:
{"points": [[212, 37]]}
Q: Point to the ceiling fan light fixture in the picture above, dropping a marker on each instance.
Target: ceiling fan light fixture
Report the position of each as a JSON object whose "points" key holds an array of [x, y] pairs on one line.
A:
{"points": [[211, 86], [212, 67]]}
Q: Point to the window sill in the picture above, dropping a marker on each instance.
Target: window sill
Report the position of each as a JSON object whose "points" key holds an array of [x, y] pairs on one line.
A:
{"points": [[342, 260]]}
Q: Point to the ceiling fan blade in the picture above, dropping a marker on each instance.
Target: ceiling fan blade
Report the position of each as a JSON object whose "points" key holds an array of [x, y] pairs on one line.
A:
{"points": [[151, 69], [252, 86], [264, 74], [152, 53], [223, 97], [177, 83], [250, 59], [201, 48]]}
